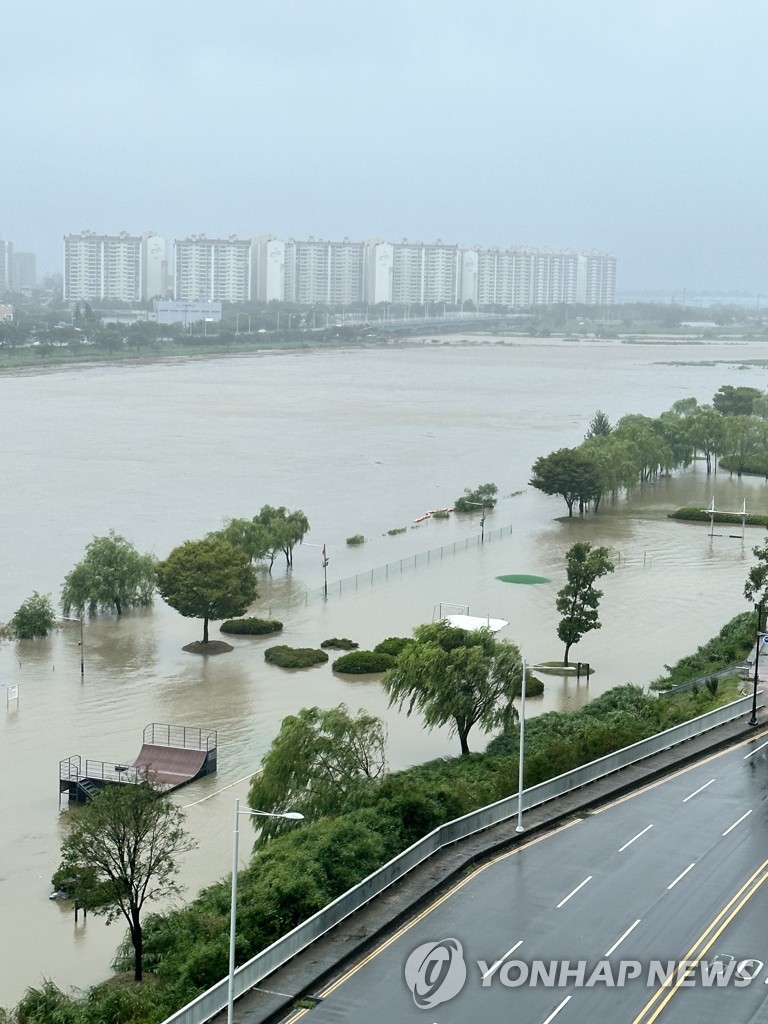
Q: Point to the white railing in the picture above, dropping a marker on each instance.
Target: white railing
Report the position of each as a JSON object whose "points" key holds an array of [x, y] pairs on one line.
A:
{"points": [[268, 960]]}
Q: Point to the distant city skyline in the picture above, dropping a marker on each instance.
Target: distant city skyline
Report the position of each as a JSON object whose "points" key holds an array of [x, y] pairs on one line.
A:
{"points": [[631, 128], [133, 268]]}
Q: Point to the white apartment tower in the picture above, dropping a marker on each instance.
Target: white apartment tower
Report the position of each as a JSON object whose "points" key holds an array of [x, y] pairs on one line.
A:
{"points": [[325, 273], [212, 269], [99, 267], [154, 266], [268, 268]]}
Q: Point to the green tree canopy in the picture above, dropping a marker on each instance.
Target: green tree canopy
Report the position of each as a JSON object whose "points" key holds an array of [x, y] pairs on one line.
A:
{"points": [[284, 530], [571, 473], [599, 426], [35, 617], [207, 579], [457, 677], [731, 401], [121, 852], [319, 763], [113, 575], [578, 600]]}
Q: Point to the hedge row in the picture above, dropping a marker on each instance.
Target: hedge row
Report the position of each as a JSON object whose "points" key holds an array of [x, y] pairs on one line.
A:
{"points": [[695, 515], [251, 626]]}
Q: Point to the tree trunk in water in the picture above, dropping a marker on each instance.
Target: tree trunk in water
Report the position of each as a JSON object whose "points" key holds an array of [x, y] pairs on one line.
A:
{"points": [[567, 652], [205, 630]]}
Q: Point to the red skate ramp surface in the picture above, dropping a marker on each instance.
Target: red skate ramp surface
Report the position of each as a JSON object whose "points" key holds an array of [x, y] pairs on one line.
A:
{"points": [[170, 766]]}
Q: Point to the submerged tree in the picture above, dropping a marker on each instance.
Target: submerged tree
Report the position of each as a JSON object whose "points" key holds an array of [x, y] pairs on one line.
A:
{"points": [[121, 852], [113, 575], [578, 600], [35, 617], [207, 579]]}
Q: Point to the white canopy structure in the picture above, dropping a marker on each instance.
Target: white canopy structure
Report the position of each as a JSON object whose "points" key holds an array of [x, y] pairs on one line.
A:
{"points": [[478, 622]]}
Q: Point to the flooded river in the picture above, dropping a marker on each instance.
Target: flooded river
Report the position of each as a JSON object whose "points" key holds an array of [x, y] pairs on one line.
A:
{"points": [[364, 441]]}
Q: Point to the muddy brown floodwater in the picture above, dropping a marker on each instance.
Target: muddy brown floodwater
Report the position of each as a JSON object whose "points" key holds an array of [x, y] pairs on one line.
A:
{"points": [[363, 441]]}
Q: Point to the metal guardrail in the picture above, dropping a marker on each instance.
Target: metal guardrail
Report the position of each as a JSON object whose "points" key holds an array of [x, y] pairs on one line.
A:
{"points": [[268, 960]]}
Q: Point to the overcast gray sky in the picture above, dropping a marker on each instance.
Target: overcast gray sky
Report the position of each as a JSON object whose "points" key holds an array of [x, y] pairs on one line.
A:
{"points": [[635, 126]]}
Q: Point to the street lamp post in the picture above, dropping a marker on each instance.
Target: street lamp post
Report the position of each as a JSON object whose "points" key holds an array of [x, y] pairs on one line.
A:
{"points": [[291, 816], [325, 561], [759, 636], [72, 618], [482, 518], [521, 754]]}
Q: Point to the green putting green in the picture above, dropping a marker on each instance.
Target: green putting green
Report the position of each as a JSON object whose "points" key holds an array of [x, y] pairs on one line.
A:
{"points": [[522, 577]]}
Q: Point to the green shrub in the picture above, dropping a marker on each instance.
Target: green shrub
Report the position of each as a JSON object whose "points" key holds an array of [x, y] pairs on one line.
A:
{"points": [[689, 514], [441, 513], [294, 657], [363, 662], [358, 538], [392, 645], [397, 530], [251, 626], [340, 644], [483, 497]]}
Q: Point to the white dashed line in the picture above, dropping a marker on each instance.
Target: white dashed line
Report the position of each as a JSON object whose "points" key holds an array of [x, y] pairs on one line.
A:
{"points": [[681, 875], [555, 1012], [697, 791], [618, 942], [573, 893], [646, 829], [737, 822], [492, 970], [761, 747]]}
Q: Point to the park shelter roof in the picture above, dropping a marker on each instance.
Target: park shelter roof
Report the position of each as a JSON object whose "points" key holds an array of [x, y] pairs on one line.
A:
{"points": [[476, 622]]}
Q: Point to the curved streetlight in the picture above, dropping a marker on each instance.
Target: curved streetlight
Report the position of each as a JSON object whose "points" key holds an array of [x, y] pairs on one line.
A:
{"points": [[760, 639], [521, 757], [290, 816], [72, 618], [480, 504]]}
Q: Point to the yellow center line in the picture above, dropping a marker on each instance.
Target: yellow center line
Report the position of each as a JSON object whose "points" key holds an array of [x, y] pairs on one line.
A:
{"points": [[708, 937]]}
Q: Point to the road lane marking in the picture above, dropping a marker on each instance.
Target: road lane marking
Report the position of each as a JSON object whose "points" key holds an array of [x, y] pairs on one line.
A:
{"points": [[579, 886], [618, 942], [408, 925], [681, 875], [676, 774], [709, 936], [492, 970], [737, 822], [697, 791], [761, 747], [646, 829], [555, 1012]]}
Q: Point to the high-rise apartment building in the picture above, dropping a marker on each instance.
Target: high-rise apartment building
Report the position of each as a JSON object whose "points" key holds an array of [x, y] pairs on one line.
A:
{"points": [[24, 271], [537, 277], [102, 267], [328, 273], [268, 268], [6, 266], [212, 269]]}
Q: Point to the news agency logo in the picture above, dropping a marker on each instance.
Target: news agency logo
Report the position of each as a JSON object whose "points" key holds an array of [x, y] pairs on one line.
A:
{"points": [[436, 972]]}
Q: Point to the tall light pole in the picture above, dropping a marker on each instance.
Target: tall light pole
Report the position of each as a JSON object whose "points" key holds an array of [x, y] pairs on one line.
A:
{"points": [[759, 637], [291, 816], [72, 618], [482, 518], [325, 561], [521, 754]]}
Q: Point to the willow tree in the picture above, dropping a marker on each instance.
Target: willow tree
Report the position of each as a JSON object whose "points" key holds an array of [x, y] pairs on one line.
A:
{"points": [[112, 576], [457, 677]]}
